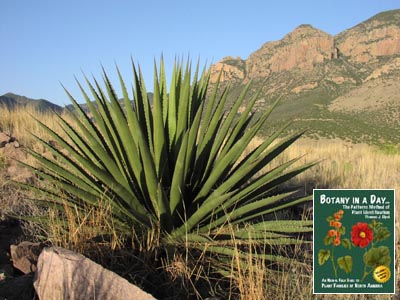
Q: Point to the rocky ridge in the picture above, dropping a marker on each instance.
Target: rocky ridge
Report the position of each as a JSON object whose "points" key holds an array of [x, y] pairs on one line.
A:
{"points": [[306, 47], [347, 78]]}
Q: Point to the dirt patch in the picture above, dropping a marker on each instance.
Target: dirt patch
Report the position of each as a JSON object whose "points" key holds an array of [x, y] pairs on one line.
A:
{"points": [[373, 95]]}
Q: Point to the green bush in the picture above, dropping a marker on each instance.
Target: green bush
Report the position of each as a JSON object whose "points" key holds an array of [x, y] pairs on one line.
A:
{"points": [[173, 166]]}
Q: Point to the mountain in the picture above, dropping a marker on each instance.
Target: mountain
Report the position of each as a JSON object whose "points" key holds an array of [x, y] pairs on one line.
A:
{"points": [[344, 86], [12, 101], [337, 86]]}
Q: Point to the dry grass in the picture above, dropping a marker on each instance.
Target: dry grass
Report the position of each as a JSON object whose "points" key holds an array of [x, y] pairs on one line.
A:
{"points": [[82, 229], [20, 123], [342, 165], [255, 281]]}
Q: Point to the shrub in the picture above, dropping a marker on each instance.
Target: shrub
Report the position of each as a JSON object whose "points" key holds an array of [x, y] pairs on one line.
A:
{"points": [[172, 166]]}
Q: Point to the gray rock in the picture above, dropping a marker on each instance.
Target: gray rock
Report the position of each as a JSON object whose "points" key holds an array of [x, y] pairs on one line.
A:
{"points": [[25, 255], [63, 274]]}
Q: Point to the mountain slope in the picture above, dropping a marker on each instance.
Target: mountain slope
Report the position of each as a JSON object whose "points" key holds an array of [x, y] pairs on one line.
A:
{"points": [[13, 101], [336, 86]]}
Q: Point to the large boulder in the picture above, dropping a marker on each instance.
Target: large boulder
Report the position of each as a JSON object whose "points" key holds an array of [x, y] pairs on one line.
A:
{"points": [[63, 274]]}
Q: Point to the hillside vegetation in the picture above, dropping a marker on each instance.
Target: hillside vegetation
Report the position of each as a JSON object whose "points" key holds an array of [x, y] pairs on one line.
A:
{"points": [[344, 86]]}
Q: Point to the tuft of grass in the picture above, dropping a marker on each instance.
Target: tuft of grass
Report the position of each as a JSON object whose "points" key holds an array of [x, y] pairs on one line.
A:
{"points": [[83, 230]]}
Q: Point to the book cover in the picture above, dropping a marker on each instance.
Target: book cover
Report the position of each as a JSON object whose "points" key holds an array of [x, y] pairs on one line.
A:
{"points": [[354, 241]]}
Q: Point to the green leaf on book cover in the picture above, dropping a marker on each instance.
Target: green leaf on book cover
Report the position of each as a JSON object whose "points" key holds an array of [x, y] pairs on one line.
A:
{"points": [[377, 256], [346, 243], [342, 230], [346, 263], [328, 240], [330, 219], [381, 234], [323, 256]]}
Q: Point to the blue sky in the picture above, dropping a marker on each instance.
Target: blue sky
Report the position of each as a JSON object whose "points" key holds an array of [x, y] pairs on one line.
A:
{"points": [[45, 43]]}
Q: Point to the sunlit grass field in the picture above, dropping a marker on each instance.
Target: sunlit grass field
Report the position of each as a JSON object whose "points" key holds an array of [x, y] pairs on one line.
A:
{"points": [[341, 165]]}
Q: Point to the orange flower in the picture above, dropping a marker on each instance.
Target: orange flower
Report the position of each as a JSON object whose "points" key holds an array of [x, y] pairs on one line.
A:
{"points": [[337, 216], [336, 242], [335, 224], [332, 233], [340, 212]]}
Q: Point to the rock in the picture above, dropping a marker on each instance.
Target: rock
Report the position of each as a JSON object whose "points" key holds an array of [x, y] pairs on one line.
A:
{"points": [[302, 48], [19, 288], [25, 255], [377, 37], [232, 69], [63, 274], [4, 139], [20, 174], [12, 152]]}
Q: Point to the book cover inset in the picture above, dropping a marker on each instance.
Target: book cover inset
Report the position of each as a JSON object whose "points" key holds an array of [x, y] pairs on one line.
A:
{"points": [[354, 241]]}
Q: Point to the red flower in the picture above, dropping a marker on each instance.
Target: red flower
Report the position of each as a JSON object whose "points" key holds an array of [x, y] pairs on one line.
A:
{"points": [[361, 235]]}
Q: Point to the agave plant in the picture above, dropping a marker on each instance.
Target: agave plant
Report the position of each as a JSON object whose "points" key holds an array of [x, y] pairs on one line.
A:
{"points": [[174, 162]]}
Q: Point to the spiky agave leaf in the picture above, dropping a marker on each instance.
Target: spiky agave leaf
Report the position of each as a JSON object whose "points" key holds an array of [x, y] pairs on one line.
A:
{"points": [[173, 163]]}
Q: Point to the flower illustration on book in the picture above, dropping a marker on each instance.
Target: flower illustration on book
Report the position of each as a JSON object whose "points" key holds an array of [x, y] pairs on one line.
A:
{"points": [[334, 238], [365, 236], [361, 235]]}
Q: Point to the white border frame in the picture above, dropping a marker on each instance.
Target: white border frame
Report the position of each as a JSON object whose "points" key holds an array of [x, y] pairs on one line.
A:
{"points": [[394, 236]]}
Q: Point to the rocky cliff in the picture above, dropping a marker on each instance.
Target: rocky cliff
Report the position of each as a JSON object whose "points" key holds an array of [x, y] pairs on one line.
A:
{"points": [[306, 49], [378, 36], [345, 80], [232, 69], [302, 48]]}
